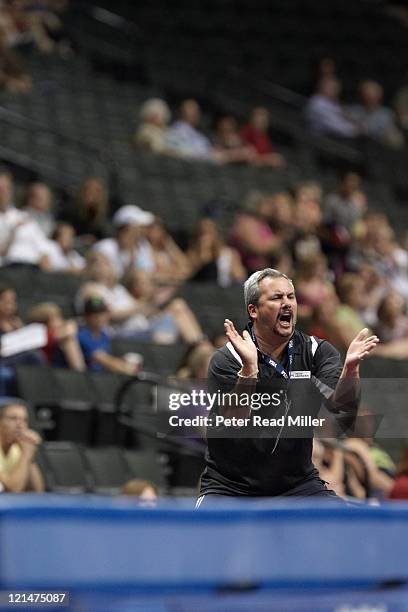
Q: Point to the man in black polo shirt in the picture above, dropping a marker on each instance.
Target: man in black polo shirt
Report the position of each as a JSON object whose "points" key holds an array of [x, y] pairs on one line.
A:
{"points": [[243, 459]]}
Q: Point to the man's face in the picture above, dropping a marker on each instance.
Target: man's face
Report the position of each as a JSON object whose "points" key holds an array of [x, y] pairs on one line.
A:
{"points": [[13, 421], [277, 306]]}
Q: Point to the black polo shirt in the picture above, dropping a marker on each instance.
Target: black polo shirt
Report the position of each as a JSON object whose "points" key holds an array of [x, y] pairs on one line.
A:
{"points": [[249, 462]]}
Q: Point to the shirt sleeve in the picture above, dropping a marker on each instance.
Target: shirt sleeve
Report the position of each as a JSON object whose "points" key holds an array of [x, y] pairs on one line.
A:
{"points": [[327, 367], [222, 372]]}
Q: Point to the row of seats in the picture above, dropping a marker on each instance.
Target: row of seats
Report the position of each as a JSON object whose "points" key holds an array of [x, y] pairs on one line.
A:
{"points": [[72, 468]]}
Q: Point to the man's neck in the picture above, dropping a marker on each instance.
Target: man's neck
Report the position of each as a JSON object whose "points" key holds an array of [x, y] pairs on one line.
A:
{"points": [[271, 344]]}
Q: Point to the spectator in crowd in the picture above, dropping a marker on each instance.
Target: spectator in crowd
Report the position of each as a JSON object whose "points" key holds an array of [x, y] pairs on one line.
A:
{"points": [[18, 445], [354, 302], [252, 235], [129, 248], [211, 260], [29, 246], [153, 131], [9, 321], [13, 76], [21, 239], [89, 214], [307, 219], [230, 144], [382, 252], [324, 324], [330, 464], [282, 216], [144, 490], [379, 484], [62, 348], [313, 284], [37, 203], [10, 217], [30, 23], [170, 263], [95, 342], [374, 119], [399, 489], [392, 318], [194, 365], [62, 257], [347, 205], [166, 318], [325, 115], [255, 134], [185, 137]]}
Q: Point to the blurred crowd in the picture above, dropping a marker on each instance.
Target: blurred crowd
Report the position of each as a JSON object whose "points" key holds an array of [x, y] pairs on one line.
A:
{"points": [[350, 269], [25, 24], [230, 143]]}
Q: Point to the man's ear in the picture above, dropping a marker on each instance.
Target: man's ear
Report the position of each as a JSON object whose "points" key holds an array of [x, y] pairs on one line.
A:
{"points": [[252, 311]]}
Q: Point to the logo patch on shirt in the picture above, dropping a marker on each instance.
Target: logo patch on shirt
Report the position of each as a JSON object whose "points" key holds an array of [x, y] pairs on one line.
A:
{"points": [[301, 374]]}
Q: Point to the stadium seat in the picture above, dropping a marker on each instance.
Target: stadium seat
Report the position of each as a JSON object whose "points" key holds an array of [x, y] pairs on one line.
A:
{"points": [[64, 468], [109, 469], [76, 402], [148, 466]]}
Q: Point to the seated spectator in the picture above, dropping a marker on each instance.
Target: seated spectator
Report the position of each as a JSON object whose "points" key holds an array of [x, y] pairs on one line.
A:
{"points": [[373, 119], [170, 263], [330, 464], [324, 324], [186, 139], [307, 220], [10, 217], [37, 203], [382, 252], [347, 205], [354, 302], [228, 141], [392, 318], [9, 321], [166, 318], [18, 445], [252, 235], [325, 116], [211, 260], [62, 349], [379, 483], [152, 133], [144, 490], [62, 257], [129, 248], [22, 240], [313, 283], [282, 216], [13, 76], [95, 342], [89, 212], [399, 489], [194, 365], [255, 134]]}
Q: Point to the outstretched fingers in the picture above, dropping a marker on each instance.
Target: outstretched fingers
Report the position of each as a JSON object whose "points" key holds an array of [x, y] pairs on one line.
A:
{"points": [[229, 328]]}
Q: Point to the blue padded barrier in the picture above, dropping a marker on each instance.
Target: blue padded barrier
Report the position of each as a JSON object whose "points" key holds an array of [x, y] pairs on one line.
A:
{"points": [[92, 543]]}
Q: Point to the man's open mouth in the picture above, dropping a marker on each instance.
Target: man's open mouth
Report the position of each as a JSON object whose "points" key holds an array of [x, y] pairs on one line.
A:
{"points": [[285, 319]]}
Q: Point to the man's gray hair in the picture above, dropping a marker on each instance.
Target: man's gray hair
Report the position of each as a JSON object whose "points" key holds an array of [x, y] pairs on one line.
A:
{"points": [[251, 286]]}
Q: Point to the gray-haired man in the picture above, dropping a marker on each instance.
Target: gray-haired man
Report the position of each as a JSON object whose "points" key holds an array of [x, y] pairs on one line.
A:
{"points": [[271, 353]]}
